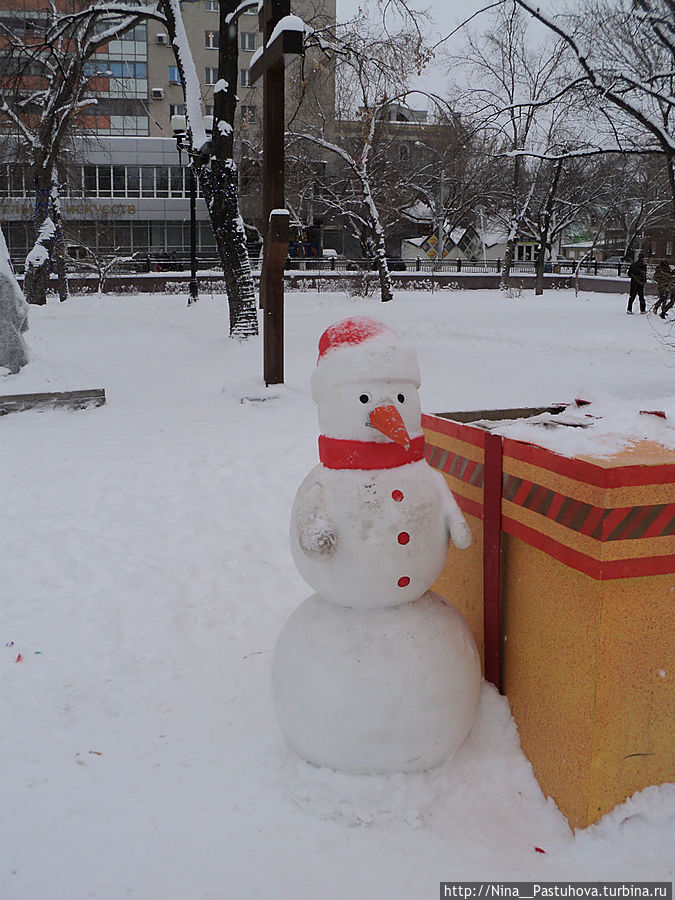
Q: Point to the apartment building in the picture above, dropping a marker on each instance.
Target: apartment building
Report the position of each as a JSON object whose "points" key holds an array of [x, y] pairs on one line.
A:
{"points": [[126, 189]]}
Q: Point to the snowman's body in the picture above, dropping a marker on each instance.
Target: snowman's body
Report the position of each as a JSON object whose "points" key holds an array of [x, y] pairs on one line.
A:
{"points": [[393, 535], [378, 690], [375, 673]]}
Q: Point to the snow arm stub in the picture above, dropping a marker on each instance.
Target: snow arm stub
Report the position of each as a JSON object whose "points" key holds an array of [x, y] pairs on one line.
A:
{"points": [[455, 523], [315, 532]]}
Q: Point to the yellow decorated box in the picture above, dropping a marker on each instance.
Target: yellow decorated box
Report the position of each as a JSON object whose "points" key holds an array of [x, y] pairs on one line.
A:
{"points": [[573, 560]]}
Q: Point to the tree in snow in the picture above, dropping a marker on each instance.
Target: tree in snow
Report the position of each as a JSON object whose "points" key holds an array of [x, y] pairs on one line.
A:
{"points": [[510, 84], [373, 71], [453, 173], [13, 316], [624, 52], [47, 90], [212, 156], [641, 199]]}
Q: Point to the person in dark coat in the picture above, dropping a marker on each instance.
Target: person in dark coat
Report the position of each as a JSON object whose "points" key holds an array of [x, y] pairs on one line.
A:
{"points": [[637, 272], [663, 276]]}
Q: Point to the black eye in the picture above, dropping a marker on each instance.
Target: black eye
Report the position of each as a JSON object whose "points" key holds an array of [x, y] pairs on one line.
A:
{"points": [[365, 398], [401, 398]]}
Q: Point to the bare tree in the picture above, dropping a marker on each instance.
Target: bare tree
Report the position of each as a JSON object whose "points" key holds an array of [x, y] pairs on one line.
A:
{"points": [[454, 172], [212, 156], [510, 85], [373, 70], [624, 51], [46, 90]]}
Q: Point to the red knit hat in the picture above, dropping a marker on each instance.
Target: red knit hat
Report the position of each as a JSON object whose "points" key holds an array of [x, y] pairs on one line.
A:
{"points": [[361, 348]]}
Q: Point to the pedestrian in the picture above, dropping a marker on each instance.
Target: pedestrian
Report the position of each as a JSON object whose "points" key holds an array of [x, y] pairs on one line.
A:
{"points": [[637, 272], [663, 276]]}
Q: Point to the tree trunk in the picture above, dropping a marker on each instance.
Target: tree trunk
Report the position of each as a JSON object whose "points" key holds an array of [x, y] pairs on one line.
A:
{"points": [[36, 278], [59, 246], [383, 273], [505, 280], [220, 187], [540, 265]]}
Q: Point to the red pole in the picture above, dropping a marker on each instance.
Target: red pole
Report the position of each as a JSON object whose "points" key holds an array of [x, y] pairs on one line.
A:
{"points": [[492, 529]]}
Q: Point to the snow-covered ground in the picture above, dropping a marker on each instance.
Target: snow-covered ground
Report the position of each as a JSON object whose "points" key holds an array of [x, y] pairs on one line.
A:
{"points": [[145, 572]]}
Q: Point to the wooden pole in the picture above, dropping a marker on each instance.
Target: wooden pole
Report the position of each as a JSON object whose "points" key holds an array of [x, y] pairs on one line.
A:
{"points": [[492, 530], [276, 223], [276, 248]]}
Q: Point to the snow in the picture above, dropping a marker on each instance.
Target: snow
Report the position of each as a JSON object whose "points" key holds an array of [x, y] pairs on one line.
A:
{"points": [[146, 574], [409, 684], [287, 23], [220, 85], [13, 316]]}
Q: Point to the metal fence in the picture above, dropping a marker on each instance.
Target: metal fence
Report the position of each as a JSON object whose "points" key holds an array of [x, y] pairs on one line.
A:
{"points": [[180, 262]]}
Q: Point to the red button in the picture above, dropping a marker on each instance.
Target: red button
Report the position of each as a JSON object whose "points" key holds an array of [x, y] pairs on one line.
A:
{"points": [[397, 496], [403, 537], [403, 582]]}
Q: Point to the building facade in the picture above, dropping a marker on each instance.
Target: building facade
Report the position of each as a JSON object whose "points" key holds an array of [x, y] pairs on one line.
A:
{"points": [[125, 188]]}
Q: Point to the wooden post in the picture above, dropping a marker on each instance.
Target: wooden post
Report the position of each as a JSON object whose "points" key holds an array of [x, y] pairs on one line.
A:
{"points": [[270, 66], [492, 530], [276, 248]]}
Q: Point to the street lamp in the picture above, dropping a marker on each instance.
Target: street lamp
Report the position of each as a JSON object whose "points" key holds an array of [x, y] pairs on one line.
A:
{"points": [[179, 129]]}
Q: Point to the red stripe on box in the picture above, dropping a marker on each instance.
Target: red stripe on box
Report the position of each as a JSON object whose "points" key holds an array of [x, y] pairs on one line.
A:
{"points": [[466, 433]]}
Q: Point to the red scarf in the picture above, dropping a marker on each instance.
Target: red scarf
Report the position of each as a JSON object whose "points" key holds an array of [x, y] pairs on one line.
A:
{"points": [[338, 454]]}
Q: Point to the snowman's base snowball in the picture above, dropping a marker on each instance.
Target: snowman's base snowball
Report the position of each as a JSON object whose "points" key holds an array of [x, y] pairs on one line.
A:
{"points": [[376, 691]]}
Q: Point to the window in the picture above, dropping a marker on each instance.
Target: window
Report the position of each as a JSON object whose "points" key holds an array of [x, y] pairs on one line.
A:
{"points": [[119, 181], [211, 40], [404, 152], [104, 181], [116, 68], [176, 109], [90, 181], [247, 113], [208, 109], [212, 6], [669, 248], [147, 181], [177, 184], [245, 77], [210, 75], [162, 181], [174, 75], [133, 181], [247, 40]]}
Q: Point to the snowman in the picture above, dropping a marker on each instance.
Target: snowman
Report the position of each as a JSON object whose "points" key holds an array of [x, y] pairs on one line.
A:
{"points": [[374, 673]]}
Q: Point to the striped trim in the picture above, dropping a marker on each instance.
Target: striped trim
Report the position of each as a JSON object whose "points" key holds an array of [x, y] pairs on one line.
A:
{"points": [[577, 521], [467, 470], [616, 524]]}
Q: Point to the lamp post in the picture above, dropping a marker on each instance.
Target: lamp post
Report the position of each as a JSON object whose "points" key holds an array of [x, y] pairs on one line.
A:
{"points": [[179, 129], [440, 236]]}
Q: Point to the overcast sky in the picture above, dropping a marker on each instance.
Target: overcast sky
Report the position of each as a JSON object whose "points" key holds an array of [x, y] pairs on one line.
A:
{"points": [[446, 15]]}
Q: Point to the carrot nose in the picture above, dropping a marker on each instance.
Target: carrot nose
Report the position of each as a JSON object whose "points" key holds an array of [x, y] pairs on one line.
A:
{"points": [[387, 420]]}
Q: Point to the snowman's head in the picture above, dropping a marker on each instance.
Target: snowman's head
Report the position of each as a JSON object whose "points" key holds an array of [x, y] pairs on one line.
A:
{"points": [[366, 382]]}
